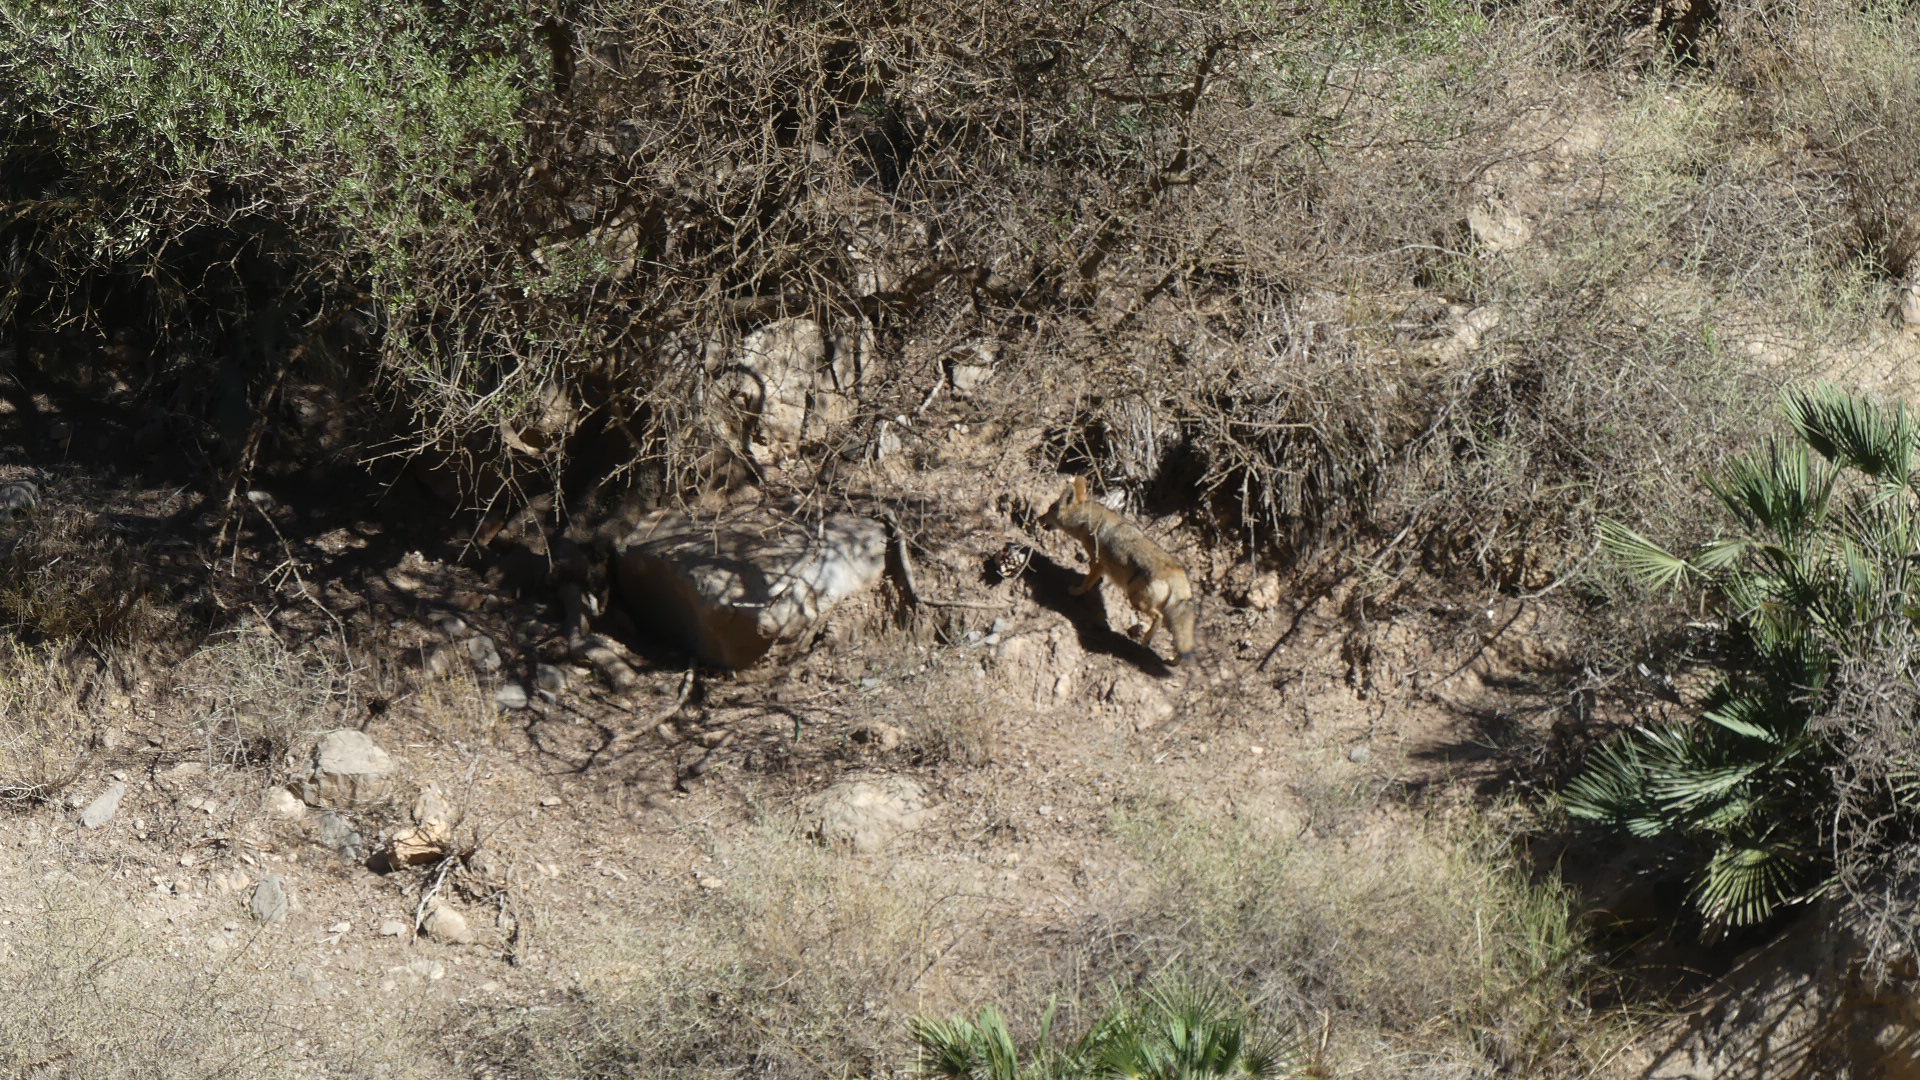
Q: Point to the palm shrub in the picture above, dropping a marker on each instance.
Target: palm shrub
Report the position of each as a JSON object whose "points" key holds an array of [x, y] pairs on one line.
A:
{"points": [[1174, 1031], [1786, 782]]}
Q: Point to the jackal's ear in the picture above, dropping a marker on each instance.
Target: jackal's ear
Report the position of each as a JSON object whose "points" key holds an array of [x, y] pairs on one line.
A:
{"points": [[1079, 489]]}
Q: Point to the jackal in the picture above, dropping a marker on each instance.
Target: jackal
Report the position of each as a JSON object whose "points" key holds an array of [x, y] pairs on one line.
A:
{"points": [[1154, 583]]}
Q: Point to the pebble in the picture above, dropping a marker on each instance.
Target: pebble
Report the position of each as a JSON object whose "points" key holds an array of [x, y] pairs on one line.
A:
{"points": [[511, 696], [1360, 755], [281, 803], [393, 928], [103, 806], [269, 904], [448, 925], [484, 654], [549, 679]]}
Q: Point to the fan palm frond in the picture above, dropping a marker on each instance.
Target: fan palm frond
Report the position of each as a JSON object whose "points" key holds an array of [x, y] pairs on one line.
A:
{"points": [[1642, 557], [1850, 430]]}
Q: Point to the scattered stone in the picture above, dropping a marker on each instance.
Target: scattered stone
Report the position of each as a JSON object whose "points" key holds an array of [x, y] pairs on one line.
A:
{"points": [[1263, 594], [709, 883], [269, 903], [487, 865], [1360, 755], [428, 840], [453, 627], [18, 499], [431, 806], [339, 835], [882, 737], [549, 679], [511, 696], [972, 372], [1143, 705], [439, 660], [549, 800], [281, 803], [448, 925], [348, 770], [103, 806], [731, 587], [393, 928], [339, 928], [184, 772], [869, 814], [484, 654]]}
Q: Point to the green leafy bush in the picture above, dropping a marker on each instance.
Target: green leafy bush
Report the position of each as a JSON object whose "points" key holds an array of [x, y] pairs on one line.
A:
{"points": [[1174, 1031], [1785, 786]]}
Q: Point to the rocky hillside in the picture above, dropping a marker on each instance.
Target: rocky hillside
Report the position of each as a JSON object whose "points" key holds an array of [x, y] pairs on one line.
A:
{"points": [[523, 552]]}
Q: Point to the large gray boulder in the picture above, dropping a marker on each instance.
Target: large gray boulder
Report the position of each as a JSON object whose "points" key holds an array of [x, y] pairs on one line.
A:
{"points": [[731, 587]]}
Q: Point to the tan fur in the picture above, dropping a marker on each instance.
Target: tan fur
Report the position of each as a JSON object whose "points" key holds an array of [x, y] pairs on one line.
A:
{"points": [[1154, 582]]}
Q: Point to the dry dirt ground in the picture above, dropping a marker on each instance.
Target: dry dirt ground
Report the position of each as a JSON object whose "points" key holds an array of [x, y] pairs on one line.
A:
{"points": [[603, 839]]}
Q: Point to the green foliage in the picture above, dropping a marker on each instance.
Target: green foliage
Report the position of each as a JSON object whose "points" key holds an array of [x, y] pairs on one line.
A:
{"points": [[1820, 576], [1174, 1031]]}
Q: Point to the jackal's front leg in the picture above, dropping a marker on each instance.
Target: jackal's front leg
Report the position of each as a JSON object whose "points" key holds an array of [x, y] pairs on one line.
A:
{"points": [[1093, 578]]}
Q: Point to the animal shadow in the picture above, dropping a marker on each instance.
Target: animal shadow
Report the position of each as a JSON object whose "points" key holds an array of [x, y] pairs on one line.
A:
{"points": [[1052, 583]]}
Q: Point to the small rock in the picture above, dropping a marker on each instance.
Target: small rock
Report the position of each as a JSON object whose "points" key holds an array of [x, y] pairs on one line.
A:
{"points": [[439, 660], [448, 925], [549, 800], [184, 772], [103, 806], [711, 882], [339, 928], [18, 499], [281, 803], [430, 807], [549, 679], [487, 865], [187, 858], [1360, 755], [416, 845], [393, 928], [269, 903], [484, 654], [868, 814], [881, 736], [1264, 593], [348, 770], [452, 626], [511, 696], [338, 834]]}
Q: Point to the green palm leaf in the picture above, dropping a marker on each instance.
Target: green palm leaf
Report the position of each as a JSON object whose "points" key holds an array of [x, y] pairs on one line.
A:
{"points": [[1746, 882], [1642, 557], [1852, 431]]}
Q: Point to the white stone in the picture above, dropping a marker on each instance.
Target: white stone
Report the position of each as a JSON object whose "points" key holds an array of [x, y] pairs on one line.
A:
{"points": [[729, 589], [103, 806], [348, 770]]}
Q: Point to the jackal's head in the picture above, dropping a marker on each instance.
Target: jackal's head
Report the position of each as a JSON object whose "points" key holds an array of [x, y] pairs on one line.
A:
{"points": [[1183, 617], [1076, 493]]}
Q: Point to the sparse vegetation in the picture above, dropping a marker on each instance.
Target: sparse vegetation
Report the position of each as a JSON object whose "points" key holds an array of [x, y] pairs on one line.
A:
{"points": [[1414, 295], [1787, 786]]}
